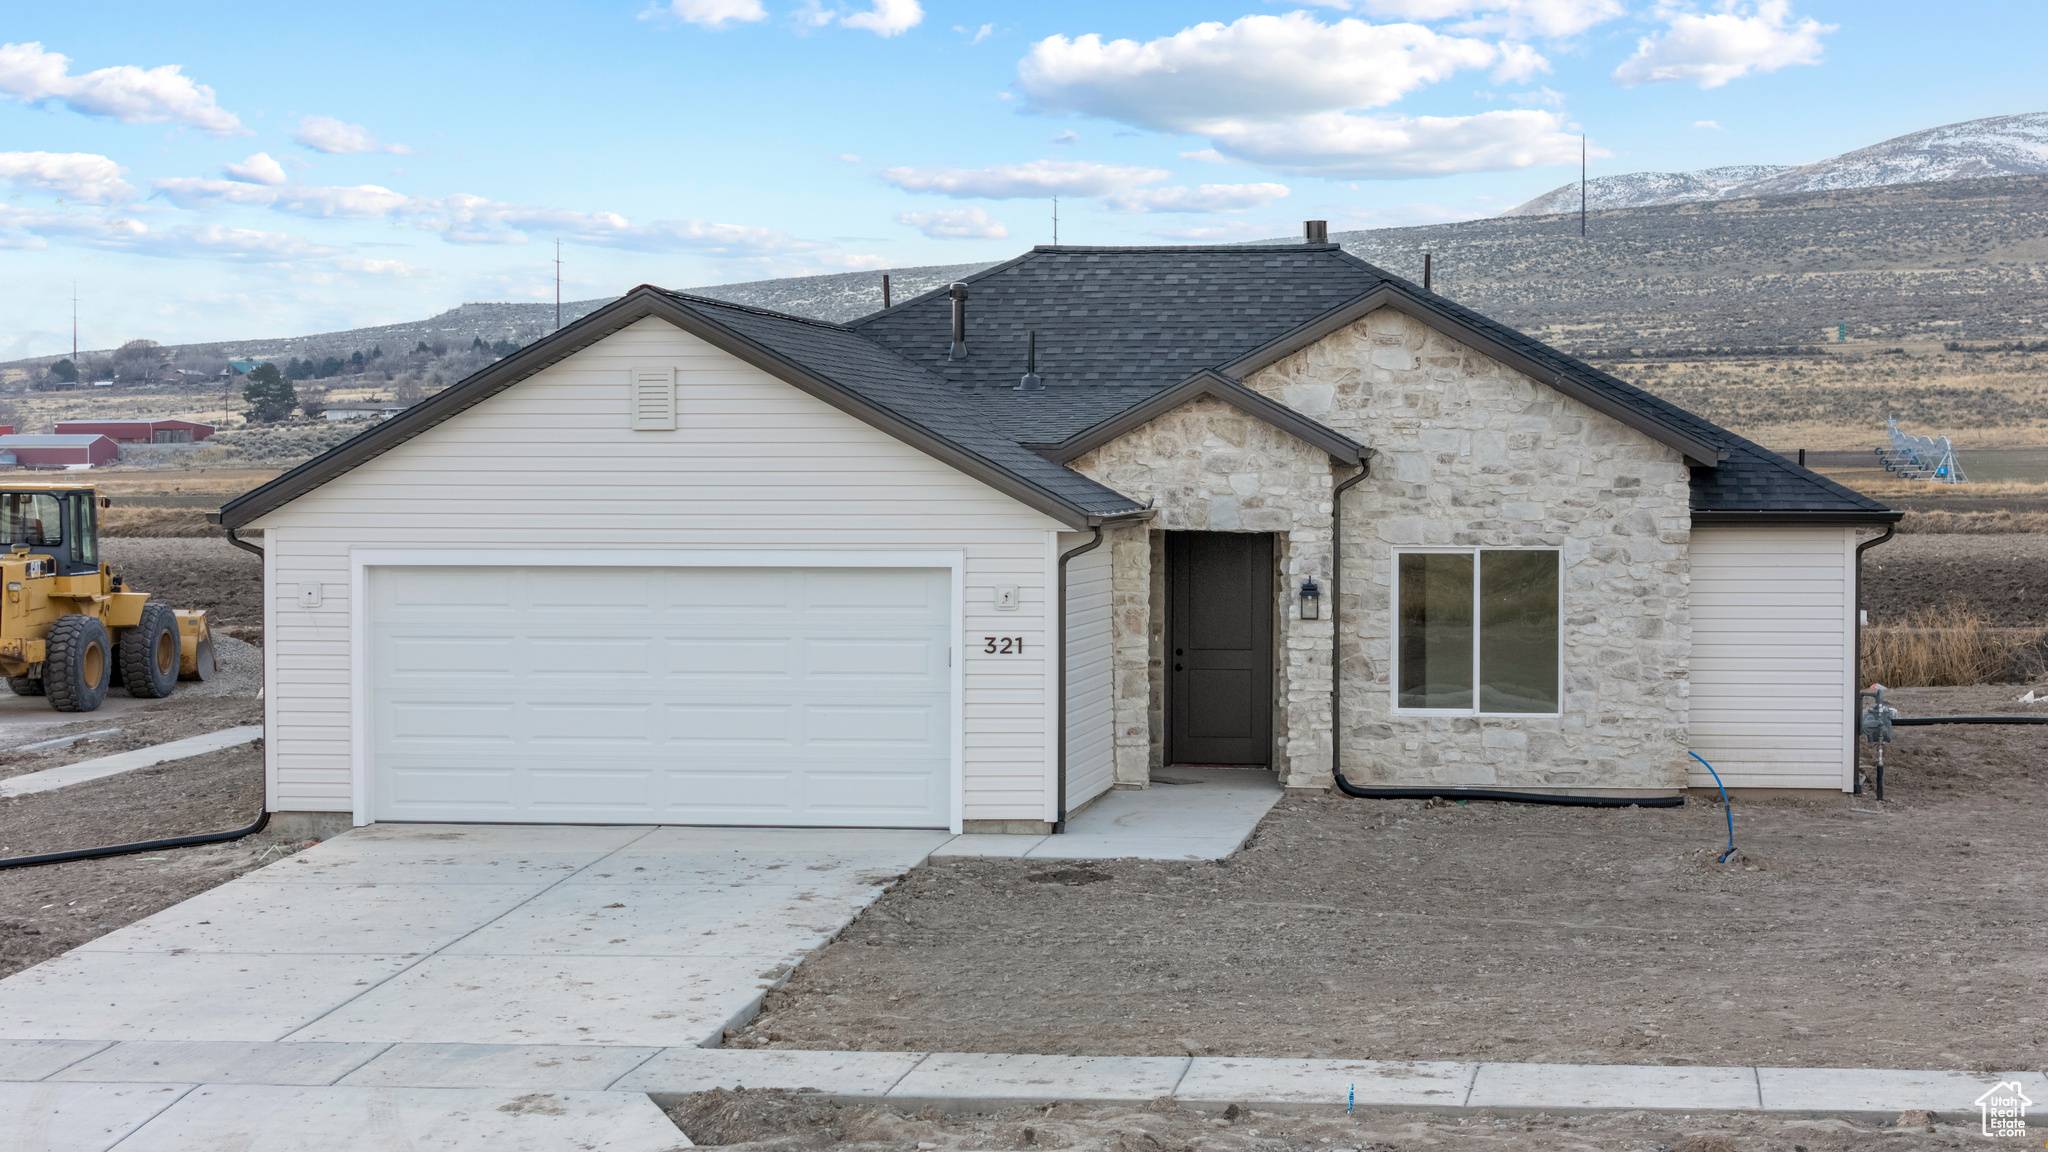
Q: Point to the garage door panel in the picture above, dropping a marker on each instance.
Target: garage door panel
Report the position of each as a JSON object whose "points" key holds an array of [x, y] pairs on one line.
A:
{"points": [[709, 724], [900, 727], [766, 696], [865, 657]]}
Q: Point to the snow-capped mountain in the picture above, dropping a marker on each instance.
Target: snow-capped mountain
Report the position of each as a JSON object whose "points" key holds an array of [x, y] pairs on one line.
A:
{"points": [[1993, 146]]}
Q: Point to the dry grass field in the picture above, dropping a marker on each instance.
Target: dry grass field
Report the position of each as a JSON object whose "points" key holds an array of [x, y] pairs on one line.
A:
{"points": [[1838, 402]]}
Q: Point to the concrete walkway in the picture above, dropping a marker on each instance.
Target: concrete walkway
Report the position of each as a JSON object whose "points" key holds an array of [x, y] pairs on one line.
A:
{"points": [[197, 1095], [78, 773], [1187, 814]]}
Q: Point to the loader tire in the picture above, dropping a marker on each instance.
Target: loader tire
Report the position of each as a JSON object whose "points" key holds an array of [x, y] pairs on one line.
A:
{"points": [[25, 685], [149, 653], [79, 664]]}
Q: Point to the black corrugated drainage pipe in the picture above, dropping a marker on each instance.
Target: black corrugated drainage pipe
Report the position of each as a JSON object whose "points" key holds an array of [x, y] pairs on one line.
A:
{"points": [[1856, 649], [1060, 676], [1337, 701], [262, 819]]}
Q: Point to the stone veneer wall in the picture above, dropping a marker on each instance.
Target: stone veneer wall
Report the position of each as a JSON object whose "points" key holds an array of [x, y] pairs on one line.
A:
{"points": [[1469, 452]]}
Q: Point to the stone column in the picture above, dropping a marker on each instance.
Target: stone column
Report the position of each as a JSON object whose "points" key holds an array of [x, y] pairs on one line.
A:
{"points": [[1130, 616]]}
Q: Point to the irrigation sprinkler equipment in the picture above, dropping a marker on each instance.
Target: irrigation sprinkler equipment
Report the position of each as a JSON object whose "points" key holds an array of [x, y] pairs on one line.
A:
{"points": [[1919, 457], [1878, 720]]}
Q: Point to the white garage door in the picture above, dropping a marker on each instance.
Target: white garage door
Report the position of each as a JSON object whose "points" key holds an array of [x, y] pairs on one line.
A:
{"points": [[816, 696]]}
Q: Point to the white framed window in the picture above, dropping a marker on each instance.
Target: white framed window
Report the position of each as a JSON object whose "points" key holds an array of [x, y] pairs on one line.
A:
{"points": [[1477, 631]]}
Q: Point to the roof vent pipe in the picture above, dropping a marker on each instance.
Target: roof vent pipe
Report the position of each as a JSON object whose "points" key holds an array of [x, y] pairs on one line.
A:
{"points": [[1315, 231], [959, 294], [1032, 381]]}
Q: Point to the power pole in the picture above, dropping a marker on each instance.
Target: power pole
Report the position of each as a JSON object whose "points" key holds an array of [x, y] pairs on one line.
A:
{"points": [[1582, 185], [1055, 221], [74, 326], [558, 284]]}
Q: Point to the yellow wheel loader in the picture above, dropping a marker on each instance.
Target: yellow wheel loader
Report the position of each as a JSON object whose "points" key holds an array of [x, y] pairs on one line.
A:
{"points": [[69, 630]]}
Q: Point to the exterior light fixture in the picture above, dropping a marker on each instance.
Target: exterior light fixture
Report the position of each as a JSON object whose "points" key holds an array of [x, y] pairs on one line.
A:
{"points": [[1311, 600]]}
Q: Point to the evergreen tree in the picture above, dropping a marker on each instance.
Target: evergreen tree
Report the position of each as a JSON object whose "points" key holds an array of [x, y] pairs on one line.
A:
{"points": [[270, 396], [377, 352], [65, 370], [355, 362]]}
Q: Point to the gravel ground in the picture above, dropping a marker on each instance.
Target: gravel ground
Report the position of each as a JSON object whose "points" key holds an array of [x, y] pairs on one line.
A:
{"points": [[196, 708], [778, 1121], [52, 908], [194, 572], [1846, 934], [2005, 576]]}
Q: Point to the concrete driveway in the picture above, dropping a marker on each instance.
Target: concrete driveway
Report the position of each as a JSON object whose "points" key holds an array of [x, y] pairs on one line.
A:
{"points": [[398, 955]]}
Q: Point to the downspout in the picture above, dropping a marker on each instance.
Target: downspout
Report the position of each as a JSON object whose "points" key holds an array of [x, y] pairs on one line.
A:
{"points": [[1060, 676], [1856, 674], [244, 545], [1336, 701]]}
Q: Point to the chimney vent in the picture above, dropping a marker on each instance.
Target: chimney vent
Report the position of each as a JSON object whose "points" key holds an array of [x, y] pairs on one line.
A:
{"points": [[1315, 231], [958, 292], [1032, 382]]}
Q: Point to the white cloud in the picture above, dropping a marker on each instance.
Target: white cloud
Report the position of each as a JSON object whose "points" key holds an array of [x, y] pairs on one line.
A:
{"points": [[1543, 97], [1551, 19], [73, 175], [1709, 125], [466, 219], [1394, 147], [714, 13], [336, 137], [1733, 41], [956, 224], [887, 17], [257, 169], [1206, 156], [1205, 198], [1266, 67], [384, 268], [848, 157], [978, 35], [1068, 137], [126, 93], [1287, 92], [1518, 62], [1036, 179]]}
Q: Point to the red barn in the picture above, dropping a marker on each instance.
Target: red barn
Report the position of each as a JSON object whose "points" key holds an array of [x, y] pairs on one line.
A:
{"points": [[138, 431], [57, 451]]}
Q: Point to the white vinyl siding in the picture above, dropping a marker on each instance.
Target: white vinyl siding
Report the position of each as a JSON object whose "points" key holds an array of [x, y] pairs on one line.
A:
{"points": [[552, 464], [1773, 644], [1091, 695]]}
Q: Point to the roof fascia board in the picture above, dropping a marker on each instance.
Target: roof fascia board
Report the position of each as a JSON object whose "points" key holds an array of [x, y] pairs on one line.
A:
{"points": [[1709, 518], [1207, 383], [1698, 453], [631, 308]]}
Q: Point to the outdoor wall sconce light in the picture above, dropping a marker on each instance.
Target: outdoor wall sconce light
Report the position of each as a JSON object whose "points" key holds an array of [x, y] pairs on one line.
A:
{"points": [[1311, 600]]}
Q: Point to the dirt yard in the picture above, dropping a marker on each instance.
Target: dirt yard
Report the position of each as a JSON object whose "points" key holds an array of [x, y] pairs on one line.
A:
{"points": [[1846, 934], [2003, 576], [778, 1121], [195, 572], [53, 908]]}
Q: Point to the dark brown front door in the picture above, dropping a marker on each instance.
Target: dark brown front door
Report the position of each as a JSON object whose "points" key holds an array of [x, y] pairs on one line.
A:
{"points": [[1219, 648]]}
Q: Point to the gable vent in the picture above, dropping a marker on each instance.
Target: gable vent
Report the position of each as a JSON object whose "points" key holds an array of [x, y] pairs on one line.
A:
{"points": [[652, 399]]}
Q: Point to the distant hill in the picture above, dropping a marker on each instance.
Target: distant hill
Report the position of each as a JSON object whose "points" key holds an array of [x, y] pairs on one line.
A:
{"points": [[1951, 260], [1973, 149]]}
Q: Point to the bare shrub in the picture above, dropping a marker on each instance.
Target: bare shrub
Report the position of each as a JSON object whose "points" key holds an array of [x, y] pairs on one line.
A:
{"points": [[1950, 646], [133, 521]]}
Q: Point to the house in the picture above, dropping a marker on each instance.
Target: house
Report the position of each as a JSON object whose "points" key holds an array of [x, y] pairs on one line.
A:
{"points": [[362, 411], [974, 560], [138, 431], [239, 368], [73, 452]]}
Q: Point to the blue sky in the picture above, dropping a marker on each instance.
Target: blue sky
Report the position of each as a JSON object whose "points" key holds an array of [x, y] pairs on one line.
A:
{"points": [[222, 171]]}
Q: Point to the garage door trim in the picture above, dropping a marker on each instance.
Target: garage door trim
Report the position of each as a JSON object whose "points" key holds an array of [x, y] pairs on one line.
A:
{"points": [[364, 559]]}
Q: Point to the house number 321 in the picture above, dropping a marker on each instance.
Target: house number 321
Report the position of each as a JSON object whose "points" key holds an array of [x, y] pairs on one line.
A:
{"points": [[1003, 645]]}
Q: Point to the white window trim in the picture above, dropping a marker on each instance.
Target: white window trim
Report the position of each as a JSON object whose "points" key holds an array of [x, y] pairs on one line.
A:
{"points": [[1394, 632], [361, 560]]}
